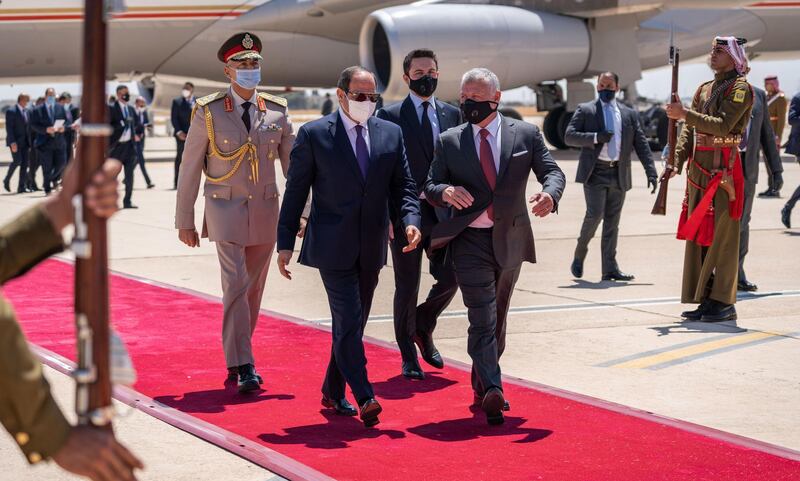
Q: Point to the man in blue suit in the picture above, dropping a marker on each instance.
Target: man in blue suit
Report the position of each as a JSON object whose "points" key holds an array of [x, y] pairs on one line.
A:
{"points": [[18, 140], [792, 147], [181, 118], [49, 141], [355, 165], [422, 118]]}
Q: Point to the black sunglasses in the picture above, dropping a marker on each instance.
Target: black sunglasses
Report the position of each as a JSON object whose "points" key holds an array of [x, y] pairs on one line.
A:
{"points": [[360, 96]]}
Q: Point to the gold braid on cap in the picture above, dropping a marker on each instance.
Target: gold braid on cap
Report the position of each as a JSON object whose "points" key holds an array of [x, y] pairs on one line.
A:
{"points": [[238, 155]]}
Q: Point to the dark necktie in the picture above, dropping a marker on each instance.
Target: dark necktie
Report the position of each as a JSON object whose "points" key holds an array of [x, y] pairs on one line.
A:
{"points": [[488, 167], [427, 131], [246, 115], [362, 154], [50, 113], [24, 113]]}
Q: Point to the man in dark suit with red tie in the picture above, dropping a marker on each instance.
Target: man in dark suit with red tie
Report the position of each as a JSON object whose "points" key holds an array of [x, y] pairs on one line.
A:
{"points": [[354, 164], [482, 170], [422, 118]]}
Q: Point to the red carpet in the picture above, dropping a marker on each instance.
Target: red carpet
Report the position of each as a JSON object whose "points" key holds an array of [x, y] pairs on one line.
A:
{"points": [[427, 429]]}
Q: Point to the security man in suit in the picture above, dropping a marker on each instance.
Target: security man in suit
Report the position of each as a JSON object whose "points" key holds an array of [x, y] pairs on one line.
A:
{"points": [[481, 169], [235, 138], [181, 118], [19, 141], [122, 143], [714, 200], [607, 132], [27, 408], [422, 118], [355, 165], [792, 147], [777, 105], [50, 143], [145, 128], [757, 136], [72, 113]]}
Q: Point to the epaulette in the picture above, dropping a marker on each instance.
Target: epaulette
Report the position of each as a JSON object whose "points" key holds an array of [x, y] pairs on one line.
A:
{"points": [[203, 101], [274, 99]]}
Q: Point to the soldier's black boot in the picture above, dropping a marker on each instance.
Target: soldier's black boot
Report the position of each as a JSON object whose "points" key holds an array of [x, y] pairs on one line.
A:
{"points": [[718, 312], [248, 381], [696, 314]]}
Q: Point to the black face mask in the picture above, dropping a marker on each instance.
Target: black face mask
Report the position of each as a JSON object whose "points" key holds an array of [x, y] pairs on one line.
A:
{"points": [[423, 86], [476, 112], [125, 97]]}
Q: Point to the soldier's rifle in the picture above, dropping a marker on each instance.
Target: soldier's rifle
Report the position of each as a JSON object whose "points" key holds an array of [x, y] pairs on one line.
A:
{"points": [[660, 206]]}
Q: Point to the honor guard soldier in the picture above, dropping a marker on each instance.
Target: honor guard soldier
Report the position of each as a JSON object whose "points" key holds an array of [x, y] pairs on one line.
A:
{"points": [[713, 205], [234, 139]]}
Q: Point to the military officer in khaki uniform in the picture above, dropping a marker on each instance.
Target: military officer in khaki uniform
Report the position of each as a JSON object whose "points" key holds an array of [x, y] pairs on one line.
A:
{"points": [[235, 138], [712, 207], [776, 106], [27, 408]]}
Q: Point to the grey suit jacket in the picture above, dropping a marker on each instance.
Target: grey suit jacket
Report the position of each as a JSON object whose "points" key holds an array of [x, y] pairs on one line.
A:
{"points": [[587, 121], [760, 136], [456, 162]]}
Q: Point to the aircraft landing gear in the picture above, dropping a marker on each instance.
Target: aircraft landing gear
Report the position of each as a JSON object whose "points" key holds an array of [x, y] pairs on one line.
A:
{"points": [[555, 126]]}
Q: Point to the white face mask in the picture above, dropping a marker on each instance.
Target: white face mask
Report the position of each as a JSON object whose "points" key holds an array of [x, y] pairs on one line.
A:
{"points": [[186, 93], [360, 111]]}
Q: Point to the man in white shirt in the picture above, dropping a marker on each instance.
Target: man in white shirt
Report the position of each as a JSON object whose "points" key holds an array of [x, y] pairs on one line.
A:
{"points": [[608, 132]]}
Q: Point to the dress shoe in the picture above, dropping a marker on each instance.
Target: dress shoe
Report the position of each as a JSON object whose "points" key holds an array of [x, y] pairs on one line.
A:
{"points": [[130, 206], [771, 192], [478, 400], [746, 286], [618, 275], [493, 404], [428, 350], [34, 188], [247, 378], [719, 312], [368, 412], [150, 186], [576, 268], [411, 370], [6, 185], [786, 217], [696, 314], [341, 406]]}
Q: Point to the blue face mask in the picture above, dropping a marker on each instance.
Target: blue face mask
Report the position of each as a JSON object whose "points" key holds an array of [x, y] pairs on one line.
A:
{"points": [[51, 101], [248, 79], [607, 95]]}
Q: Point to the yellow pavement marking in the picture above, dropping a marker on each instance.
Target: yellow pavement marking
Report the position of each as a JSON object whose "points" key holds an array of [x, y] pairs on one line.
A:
{"points": [[645, 362]]}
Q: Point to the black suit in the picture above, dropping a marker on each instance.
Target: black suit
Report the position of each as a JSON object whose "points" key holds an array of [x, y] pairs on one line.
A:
{"points": [[488, 261], [181, 117], [72, 113], [410, 319], [18, 132], [143, 121], [760, 136], [347, 233], [125, 151], [604, 186], [51, 148]]}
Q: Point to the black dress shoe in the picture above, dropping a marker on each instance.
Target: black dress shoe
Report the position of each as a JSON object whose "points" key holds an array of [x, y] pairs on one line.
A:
{"points": [[478, 400], [746, 286], [411, 370], [130, 206], [770, 193], [368, 412], [786, 217], [719, 312], [696, 314], [618, 276], [150, 186], [248, 381], [341, 406], [428, 350], [576, 268], [493, 404], [6, 185]]}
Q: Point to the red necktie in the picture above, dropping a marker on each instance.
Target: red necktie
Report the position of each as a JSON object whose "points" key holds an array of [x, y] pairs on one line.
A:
{"points": [[487, 165]]}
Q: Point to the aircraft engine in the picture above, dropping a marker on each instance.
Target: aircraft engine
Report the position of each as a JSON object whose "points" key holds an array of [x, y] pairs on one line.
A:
{"points": [[522, 47]]}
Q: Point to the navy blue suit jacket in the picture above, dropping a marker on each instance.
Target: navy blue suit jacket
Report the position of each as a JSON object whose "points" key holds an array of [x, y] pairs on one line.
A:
{"points": [[181, 115], [40, 121], [17, 129], [349, 218], [793, 145]]}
